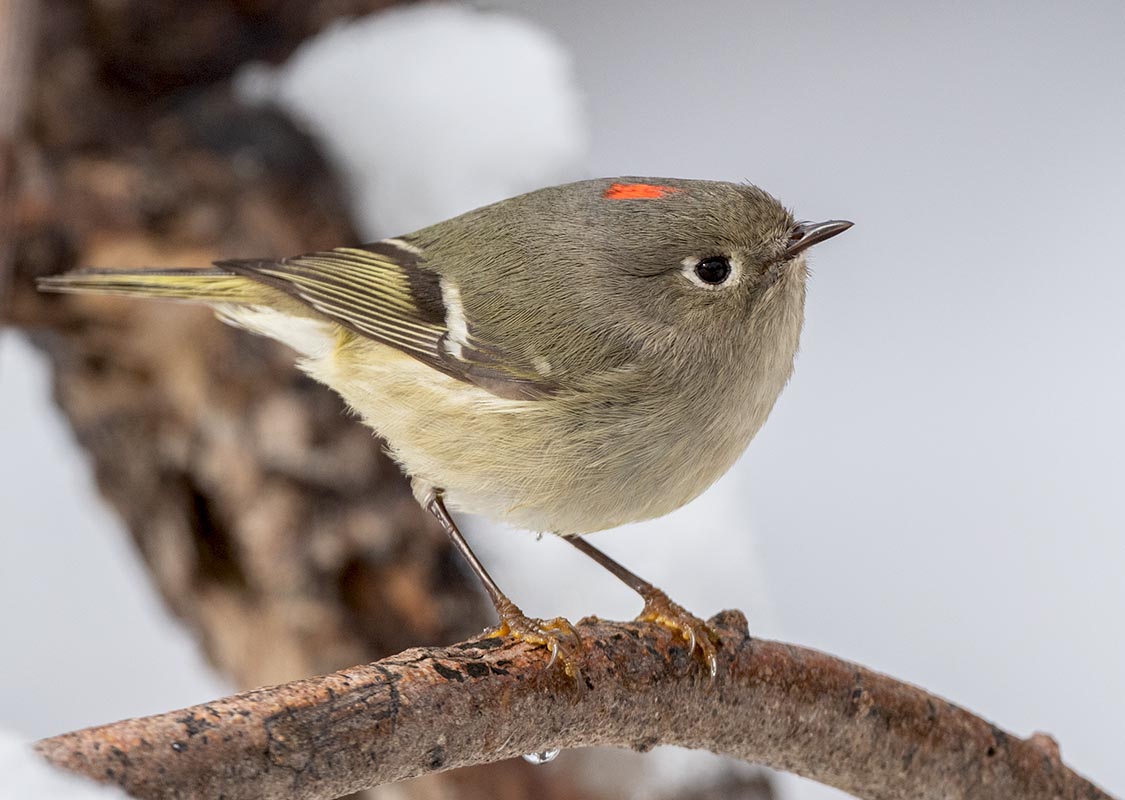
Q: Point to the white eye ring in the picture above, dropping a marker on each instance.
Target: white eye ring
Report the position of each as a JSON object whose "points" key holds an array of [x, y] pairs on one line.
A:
{"points": [[689, 264]]}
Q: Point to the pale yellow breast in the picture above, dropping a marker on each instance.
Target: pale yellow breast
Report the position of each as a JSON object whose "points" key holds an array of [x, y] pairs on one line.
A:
{"points": [[558, 465]]}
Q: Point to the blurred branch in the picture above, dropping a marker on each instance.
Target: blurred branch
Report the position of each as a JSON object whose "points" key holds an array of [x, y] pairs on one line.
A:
{"points": [[271, 523], [427, 710]]}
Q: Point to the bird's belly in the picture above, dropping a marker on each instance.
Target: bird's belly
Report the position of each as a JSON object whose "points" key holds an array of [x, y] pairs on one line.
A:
{"points": [[635, 472], [523, 462]]}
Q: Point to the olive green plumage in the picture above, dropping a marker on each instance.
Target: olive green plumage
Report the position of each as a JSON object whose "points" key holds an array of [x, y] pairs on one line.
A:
{"points": [[564, 360]]}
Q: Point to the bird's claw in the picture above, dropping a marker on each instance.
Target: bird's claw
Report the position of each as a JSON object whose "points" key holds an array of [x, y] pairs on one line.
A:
{"points": [[662, 610], [558, 635]]}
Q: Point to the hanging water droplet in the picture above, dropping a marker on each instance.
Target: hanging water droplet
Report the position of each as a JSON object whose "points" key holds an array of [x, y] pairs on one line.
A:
{"points": [[542, 757]]}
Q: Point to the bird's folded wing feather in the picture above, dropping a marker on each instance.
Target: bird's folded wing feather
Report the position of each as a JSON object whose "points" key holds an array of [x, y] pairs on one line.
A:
{"points": [[385, 292]]}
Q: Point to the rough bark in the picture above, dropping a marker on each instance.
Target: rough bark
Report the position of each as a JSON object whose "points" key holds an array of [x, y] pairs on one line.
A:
{"points": [[428, 710]]}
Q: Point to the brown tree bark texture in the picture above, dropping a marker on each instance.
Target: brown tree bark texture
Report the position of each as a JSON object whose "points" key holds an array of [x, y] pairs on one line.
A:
{"points": [[428, 710]]}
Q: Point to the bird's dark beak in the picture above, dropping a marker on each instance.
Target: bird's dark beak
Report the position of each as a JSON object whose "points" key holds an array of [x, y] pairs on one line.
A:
{"points": [[806, 234]]}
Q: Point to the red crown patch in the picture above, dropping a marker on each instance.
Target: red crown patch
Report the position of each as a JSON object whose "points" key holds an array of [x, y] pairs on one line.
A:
{"points": [[637, 191]]}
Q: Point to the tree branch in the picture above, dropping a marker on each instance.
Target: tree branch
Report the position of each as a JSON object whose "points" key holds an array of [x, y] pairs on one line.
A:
{"points": [[427, 710]]}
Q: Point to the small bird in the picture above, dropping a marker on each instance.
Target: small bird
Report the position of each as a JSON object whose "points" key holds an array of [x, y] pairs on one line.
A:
{"points": [[568, 360]]}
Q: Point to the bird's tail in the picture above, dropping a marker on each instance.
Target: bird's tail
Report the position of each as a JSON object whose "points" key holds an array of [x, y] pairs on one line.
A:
{"points": [[201, 285], [237, 300]]}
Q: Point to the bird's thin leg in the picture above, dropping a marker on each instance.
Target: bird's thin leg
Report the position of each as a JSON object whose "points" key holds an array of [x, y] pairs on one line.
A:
{"points": [[513, 622], [659, 607]]}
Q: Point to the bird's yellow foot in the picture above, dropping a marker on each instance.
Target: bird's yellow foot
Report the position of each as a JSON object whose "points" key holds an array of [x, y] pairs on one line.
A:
{"points": [[558, 635], [660, 608]]}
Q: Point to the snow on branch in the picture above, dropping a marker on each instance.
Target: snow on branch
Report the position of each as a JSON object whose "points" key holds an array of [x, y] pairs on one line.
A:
{"points": [[433, 709]]}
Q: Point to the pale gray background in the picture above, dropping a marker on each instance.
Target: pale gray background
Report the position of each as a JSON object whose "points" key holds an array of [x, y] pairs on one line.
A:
{"points": [[939, 492]]}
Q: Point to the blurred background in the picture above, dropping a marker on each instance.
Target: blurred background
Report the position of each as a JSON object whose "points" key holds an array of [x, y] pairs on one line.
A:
{"points": [[938, 494]]}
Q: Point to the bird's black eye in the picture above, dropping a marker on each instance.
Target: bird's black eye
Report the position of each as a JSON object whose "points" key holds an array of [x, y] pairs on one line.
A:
{"points": [[713, 271]]}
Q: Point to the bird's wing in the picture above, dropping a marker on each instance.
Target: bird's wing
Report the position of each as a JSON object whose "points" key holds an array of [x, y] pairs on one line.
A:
{"points": [[385, 292]]}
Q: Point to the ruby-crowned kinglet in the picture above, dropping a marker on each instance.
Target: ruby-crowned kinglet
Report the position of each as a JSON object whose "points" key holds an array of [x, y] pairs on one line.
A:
{"points": [[568, 360]]}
